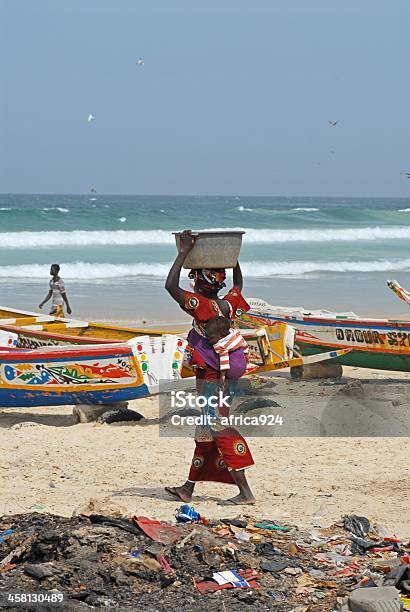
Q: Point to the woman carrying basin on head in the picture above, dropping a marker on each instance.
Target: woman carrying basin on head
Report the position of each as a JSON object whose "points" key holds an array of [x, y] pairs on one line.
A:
{"points": [[221, 453]]}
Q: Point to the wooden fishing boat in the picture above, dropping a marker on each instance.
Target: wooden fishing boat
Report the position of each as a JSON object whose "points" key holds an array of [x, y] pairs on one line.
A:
{"points": [[399, 291], [90, 374], [35, 330], [271, 346], [374, 343]]}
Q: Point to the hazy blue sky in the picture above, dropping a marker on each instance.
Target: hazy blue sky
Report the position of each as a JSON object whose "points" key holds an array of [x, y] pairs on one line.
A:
{"points": [[234, 98]]}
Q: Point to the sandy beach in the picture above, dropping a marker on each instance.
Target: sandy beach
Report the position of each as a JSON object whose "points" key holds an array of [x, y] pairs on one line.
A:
{"points": [[54, 465]]}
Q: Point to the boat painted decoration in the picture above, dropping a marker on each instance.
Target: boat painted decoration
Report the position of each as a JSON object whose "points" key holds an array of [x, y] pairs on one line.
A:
{"points": [[102, 374], [161, 359], [373, 343], [399, 291], [8, 339]]}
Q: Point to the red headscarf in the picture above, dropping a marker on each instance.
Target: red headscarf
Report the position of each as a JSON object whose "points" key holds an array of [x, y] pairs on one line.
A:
{"points": [[213, 280]]}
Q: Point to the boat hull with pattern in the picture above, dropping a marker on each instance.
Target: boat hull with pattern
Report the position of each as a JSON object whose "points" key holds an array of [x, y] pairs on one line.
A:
{"points": [[374, 343]]}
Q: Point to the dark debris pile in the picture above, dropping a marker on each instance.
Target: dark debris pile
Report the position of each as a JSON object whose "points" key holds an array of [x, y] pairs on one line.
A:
{"points": [[100, 562]]}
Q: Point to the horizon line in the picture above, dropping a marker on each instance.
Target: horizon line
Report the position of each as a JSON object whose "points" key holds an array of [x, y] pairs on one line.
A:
{"points": [[199, 195]]}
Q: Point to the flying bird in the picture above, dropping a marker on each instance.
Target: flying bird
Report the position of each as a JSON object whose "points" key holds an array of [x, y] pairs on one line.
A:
{"points": [[406, 174], [140, 61], [90, 118], [333, 123]]}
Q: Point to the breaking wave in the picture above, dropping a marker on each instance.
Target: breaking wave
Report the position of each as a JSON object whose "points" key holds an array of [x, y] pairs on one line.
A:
{"points": [[302, 209], [86, 271], [59, 208], [79, 238]]}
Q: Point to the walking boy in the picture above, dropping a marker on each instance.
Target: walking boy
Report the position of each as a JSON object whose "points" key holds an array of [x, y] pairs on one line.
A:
{"points": [[57, 293]]}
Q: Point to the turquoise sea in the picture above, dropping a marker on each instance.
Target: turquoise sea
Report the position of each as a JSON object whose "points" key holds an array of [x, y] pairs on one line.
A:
{"points": [[115, 251]]}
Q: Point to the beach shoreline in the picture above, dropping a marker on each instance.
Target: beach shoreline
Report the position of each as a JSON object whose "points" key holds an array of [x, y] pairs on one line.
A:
{"points": [[157, 309]]}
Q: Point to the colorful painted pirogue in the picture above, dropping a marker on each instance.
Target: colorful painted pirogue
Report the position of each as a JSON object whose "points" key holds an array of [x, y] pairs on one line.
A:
{"points": [[270, 347], [399, 291], [35, 330], [374, 343], [90, 374]]}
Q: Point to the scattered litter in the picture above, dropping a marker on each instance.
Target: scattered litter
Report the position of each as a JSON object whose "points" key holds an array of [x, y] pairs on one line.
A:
{"points": [[24, 425], [292, 571], [273, 566], [272, 527], [37, 507], [7, 567], [247, 579], [231, 577], [160, 532], [149, 563], [399, 577], [187, 514], [102, 561], [99, 506], [5, 533], [40, 570], [374, 599], [182, 543], [243, 536], [125, 524], [359, 525], [235, 523], [167, 569]]}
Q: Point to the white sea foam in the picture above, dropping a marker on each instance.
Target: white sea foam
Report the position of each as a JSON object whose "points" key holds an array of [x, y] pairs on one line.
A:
{"points": [[122, 219], [301, 209], [6, 208], [80, 238], [59, 208], [82, 270], [85, 271], [244, 209], [25, 240], [404, 209]]}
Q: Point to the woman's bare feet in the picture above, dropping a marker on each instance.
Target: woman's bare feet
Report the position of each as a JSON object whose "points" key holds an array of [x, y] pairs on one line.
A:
{"points": [[183, 493], [242, 500], [245, 497]]}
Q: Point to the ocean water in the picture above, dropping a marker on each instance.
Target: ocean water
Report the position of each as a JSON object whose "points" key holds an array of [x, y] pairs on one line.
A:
{"points": [[115, 251]]}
